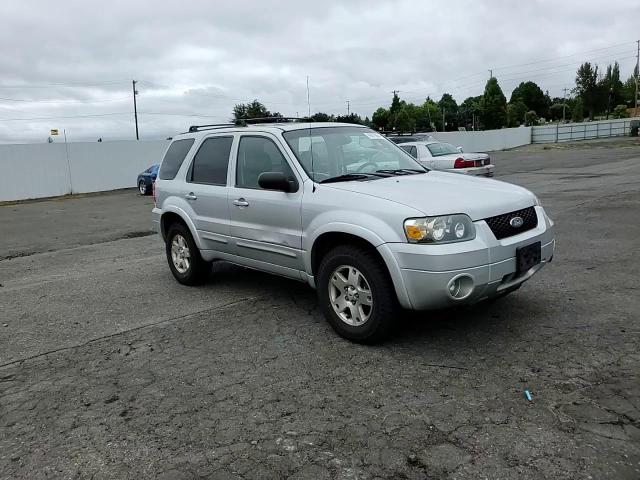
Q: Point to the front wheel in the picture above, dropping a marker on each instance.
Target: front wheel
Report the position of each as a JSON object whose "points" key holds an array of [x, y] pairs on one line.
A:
{"points": [[356, 294], [142, 187], [185, 262]]}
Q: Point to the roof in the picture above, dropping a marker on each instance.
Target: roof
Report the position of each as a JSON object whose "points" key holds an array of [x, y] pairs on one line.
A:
{"points": [[267, 127], [418, 142]]}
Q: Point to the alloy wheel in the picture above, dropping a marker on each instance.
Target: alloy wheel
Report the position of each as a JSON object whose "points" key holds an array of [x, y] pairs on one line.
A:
{"points": [[350, 295], [180, 254]]}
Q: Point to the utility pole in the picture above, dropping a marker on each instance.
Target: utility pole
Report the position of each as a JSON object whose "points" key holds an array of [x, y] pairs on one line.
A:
{"points": [[348, 108], [637, 74], [564, 103], [490, 74], [444, 128], [135, 107]]}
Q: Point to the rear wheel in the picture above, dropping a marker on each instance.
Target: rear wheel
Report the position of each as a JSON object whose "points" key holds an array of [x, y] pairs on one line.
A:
{"points": [[356, 294], [185, 262], [142, 187]]}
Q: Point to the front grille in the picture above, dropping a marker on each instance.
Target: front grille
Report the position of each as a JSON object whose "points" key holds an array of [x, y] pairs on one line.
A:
{"points": [[501, 227]]}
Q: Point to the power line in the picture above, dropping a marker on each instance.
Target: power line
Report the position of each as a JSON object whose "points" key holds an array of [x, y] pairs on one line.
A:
{"points": [[24, 100], [550, 59], [64, 116], [68, 84]]}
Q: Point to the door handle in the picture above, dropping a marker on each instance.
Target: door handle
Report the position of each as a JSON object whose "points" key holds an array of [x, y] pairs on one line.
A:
{"points": [[191, 196], [240, 202]]}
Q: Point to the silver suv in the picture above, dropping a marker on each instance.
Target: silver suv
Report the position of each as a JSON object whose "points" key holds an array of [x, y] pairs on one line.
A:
{"points": [[349, 212]]}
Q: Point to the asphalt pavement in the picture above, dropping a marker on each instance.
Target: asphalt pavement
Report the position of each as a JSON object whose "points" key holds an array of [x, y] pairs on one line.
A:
{"points": [[111, 369]]}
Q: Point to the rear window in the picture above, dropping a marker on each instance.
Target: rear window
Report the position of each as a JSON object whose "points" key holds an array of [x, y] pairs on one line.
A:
{"points": [[174, 158], [211, 162]]}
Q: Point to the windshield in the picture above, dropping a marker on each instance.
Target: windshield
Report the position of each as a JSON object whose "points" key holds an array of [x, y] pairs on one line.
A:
{"points": [[358, 153], [438, 149]]}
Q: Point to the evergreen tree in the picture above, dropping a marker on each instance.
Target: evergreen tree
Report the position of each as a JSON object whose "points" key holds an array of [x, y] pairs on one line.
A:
{"points": [[494, 105]]}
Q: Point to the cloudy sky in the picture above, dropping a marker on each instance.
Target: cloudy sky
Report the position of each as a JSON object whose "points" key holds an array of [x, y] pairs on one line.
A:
{"points": [[69, 64]]}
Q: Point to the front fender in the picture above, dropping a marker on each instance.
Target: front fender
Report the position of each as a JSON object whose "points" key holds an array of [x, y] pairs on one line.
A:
{"points": [[187, 220]]}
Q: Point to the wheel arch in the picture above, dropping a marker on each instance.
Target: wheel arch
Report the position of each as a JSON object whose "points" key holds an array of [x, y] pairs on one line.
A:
{"points": [[327, 240], [173, 215]]}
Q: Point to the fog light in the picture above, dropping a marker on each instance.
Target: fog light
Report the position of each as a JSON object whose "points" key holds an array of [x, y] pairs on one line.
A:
{"points": [[460, 287]]}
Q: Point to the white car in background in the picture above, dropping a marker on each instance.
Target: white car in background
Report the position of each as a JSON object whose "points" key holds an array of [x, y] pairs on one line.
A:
{"points": [[444, 156]]}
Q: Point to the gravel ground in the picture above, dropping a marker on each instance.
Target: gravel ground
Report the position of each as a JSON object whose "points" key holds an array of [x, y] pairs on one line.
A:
{"points": [[110, 369]]}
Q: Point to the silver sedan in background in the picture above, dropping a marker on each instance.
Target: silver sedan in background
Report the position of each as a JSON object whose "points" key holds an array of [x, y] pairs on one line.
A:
{"points": [[444, 156]]}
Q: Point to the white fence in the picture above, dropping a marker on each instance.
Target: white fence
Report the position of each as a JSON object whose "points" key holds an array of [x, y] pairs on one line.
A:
{"points": [[581, 131], [47, 170], [488, 140]]}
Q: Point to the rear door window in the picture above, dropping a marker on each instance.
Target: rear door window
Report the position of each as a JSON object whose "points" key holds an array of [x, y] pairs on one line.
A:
{"points": [[174, 157], [211, 163], [410, 149]]}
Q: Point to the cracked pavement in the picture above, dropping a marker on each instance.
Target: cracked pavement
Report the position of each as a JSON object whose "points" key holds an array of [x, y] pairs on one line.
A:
{"points": [[110, 369]]}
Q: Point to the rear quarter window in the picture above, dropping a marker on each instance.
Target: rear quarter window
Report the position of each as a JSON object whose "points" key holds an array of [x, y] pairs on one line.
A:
{"points": [[174, 157]]}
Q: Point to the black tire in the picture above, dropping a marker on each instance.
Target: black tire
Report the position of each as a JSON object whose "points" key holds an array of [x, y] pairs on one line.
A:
{"points": [[198, 270], [143, 189], [381, 318]]}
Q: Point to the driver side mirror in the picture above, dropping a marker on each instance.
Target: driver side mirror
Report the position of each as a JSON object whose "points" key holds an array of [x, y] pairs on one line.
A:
{"points": [[277, 181], [459, 149]]}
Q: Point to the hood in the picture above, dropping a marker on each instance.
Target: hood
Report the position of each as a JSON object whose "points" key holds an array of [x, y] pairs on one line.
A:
{"points": [[442, 193]]}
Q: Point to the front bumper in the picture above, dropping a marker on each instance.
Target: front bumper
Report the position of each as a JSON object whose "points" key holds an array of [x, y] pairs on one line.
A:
{"points": [[483, 171], [422, 274]]}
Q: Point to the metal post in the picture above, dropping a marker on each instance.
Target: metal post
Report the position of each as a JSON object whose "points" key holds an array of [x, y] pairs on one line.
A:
{"points": [[564, 103], [557, 132], [66, 147], [135, 107], [637, 74]]}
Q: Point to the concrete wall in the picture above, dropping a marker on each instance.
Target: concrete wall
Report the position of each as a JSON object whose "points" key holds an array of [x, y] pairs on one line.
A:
{"points": [[42, 170], [488, 140], [581, 131]]}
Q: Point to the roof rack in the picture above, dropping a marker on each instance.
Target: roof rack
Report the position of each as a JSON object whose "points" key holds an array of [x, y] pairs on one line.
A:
{"points": [[211, 126], [249, 121]]}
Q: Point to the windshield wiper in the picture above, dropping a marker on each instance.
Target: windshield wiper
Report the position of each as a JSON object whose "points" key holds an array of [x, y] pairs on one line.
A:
{"points": [[403, 171], [351, 176]]}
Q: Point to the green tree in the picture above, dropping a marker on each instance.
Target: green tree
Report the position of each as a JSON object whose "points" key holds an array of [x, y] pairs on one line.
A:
{"points": [[629, 89], [555, 111], [620, 112], [449, 107], [380, 119], [470, 110], [587, 88], [404, 121], [577, 114], [395, 107], [254, 109], [614, 86], [494, 105], [426, 115], [515, 113], [532, 96], [322, 117], [351, 118], [531, 118]]}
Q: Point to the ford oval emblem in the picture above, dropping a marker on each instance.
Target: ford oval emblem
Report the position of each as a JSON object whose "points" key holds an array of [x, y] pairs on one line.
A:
{"points": [[516, 222]]}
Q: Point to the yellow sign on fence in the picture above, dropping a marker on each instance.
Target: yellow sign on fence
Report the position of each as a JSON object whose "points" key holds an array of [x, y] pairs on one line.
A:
{"points": [[54, 131]]}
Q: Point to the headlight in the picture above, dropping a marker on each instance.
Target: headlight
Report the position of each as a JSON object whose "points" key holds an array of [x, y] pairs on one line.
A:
{"points": [[444, 229]]}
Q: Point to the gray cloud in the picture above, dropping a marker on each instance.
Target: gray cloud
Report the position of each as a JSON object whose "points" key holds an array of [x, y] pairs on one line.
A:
{"points": [[78, 57]]}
